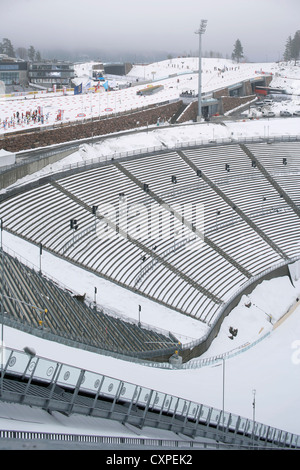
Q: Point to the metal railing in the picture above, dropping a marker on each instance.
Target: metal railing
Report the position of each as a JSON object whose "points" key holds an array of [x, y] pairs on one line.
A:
{"points": [[69, 389], [86, 164], [111, 441]]}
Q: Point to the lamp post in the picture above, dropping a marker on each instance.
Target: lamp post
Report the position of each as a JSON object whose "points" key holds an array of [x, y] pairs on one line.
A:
{"points": [[41, 252], [268, 315], [253, 405], [94, 210], [95, 300], [73, 226], [200, 31]]}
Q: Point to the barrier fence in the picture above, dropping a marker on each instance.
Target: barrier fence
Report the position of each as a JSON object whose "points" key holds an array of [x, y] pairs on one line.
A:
{"points": [[67, 388], [108, 440]]}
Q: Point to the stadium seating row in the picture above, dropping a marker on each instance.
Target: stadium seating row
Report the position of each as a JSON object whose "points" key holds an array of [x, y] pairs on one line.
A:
{"points": [[184, 228], [47, 306]]}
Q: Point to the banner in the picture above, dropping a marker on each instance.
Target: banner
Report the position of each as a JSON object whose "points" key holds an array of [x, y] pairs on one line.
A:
{"points": [[78, 89], [60, 114]]}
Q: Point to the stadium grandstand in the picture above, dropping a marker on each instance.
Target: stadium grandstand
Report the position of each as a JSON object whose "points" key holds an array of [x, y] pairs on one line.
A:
{"points": [[248, 228], [190, 229]]}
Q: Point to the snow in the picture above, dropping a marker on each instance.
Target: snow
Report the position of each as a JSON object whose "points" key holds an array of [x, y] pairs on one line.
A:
{"points": [[271, 367], [169, 137], [216, 74]]}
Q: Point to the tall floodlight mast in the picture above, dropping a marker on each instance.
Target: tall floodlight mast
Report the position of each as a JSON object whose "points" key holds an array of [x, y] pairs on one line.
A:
{"points": [[200, 31]]}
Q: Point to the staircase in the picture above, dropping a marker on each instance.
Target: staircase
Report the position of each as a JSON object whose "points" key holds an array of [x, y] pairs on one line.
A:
{"points": [[178, 113]]}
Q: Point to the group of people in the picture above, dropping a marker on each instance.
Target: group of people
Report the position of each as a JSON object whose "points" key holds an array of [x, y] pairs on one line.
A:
{"points": [[27, 118]]}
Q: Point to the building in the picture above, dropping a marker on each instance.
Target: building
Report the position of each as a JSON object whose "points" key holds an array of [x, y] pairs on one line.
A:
{"points": [[98, 70], [117, 68], [47, 73], [13, 71]]}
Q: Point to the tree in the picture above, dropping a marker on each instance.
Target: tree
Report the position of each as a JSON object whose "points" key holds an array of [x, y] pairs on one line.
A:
{"points": [[295, 46], [31, 53], [7, 48], [292, 48], [22, 53], [238, 52], [38, 56], [287, 52]]}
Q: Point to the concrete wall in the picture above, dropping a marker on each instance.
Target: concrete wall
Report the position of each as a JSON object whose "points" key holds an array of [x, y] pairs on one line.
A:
{"points": [[196, 351], [66, 133], [231, 102], [226, 103], [7, 158], [190, 113], [219, 93], [11, 176], [247, 88]]}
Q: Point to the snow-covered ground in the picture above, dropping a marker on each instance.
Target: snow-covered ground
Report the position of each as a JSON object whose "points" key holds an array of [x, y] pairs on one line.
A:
{"points": [[170, 137], [271, 367], [216, 74]]}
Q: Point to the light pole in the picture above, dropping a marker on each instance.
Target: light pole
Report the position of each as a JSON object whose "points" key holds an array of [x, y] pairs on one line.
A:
{"points": [[200, 31], [94, 210], [73, 226], [253, 405], [95, 300], [41, 252]]}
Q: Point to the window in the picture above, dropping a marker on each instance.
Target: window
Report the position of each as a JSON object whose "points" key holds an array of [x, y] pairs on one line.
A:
{"points": [[9, 78]]}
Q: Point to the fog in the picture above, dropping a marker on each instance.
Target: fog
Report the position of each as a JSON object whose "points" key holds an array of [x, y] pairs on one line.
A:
{"points": [[136, 26]]}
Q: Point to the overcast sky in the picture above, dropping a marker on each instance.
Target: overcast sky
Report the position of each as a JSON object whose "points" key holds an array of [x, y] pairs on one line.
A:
{"points": [[262, 26]]}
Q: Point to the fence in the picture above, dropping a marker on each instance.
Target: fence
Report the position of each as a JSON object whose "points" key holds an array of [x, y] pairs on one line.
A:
{"points": [[107, 441], [71, 389], [176, 146]]}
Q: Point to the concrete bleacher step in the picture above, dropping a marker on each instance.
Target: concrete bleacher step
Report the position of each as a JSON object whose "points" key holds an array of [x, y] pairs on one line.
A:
{"points": [[235, 249], [271, 180], [18, 295], [241, 213], [186, 222], [282, 162], [145, 248], [160, 201], [69, 316]]}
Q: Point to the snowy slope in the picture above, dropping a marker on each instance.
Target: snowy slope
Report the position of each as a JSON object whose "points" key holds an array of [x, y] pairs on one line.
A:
{"points": [[216, 74]]}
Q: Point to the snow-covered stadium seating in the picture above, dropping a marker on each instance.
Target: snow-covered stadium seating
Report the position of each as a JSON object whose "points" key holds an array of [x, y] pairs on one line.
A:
{"points": [[248, 226]]}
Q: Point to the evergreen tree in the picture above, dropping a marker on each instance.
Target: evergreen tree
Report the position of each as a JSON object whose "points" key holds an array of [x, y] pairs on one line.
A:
{"points": [[7, 48], [31, 53], [22, 53], [295, 46], [288, 48], [38, 56], [238, 52]]}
